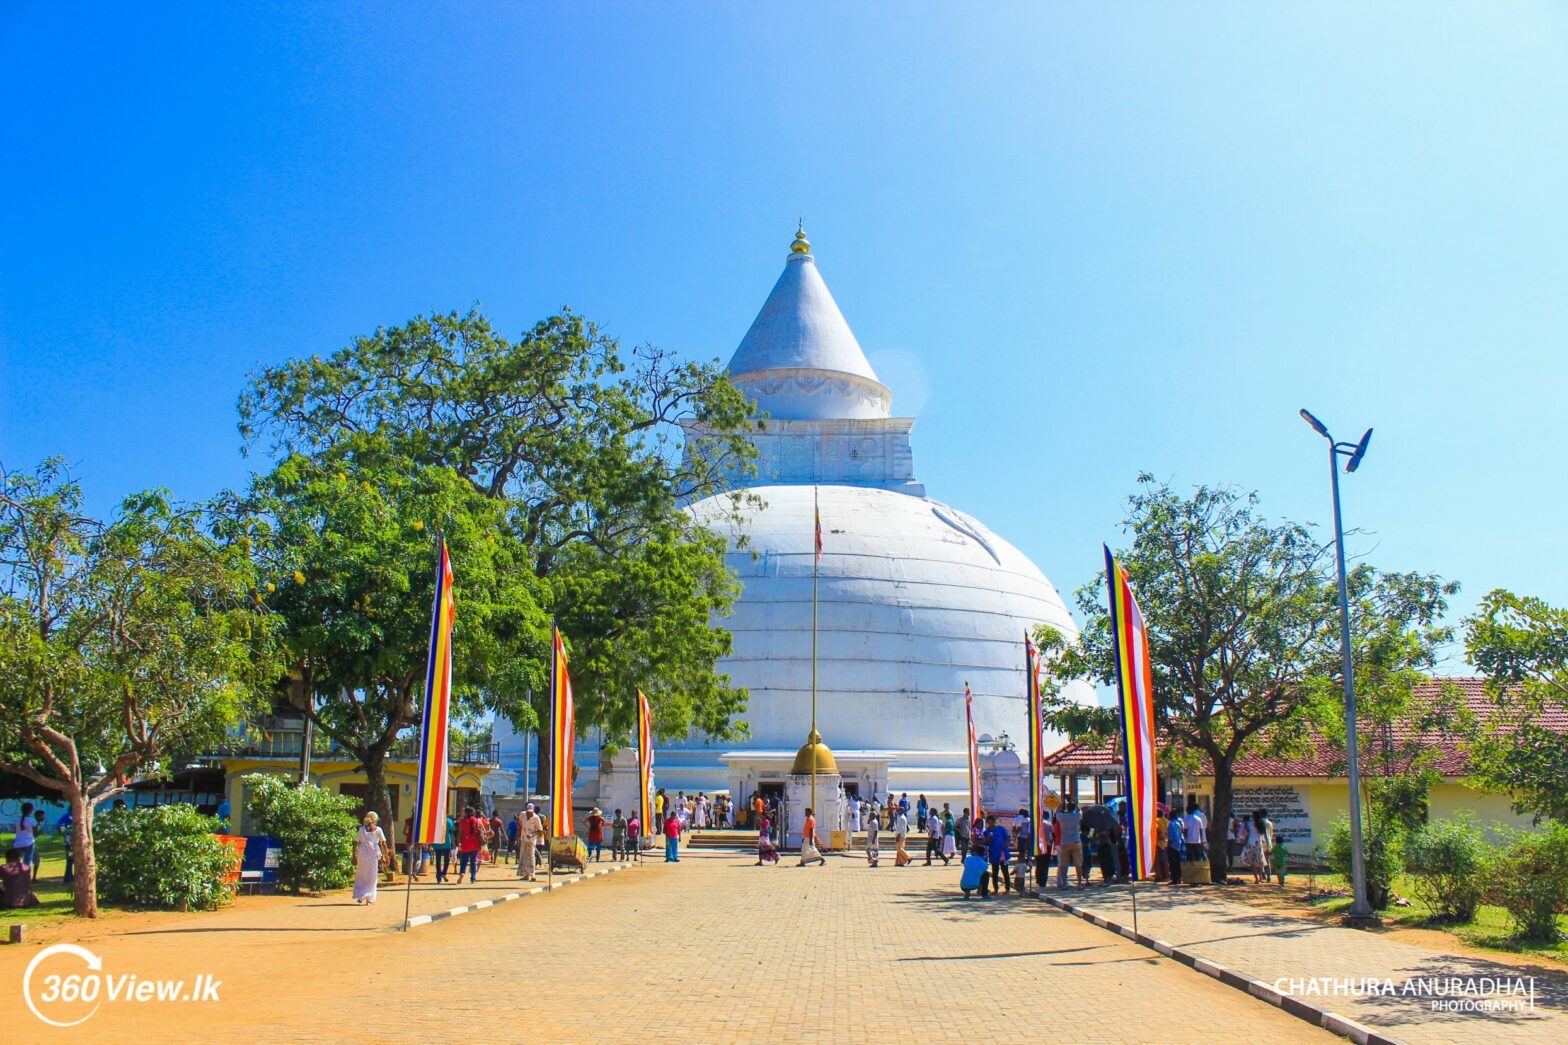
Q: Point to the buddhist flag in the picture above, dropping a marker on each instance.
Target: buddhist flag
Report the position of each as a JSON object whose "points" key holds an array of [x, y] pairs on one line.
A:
{"points": [[644, 757], [974, 754], [1036, 740], [1135, 680], [430, 805], [818, 512], [563, 731]]}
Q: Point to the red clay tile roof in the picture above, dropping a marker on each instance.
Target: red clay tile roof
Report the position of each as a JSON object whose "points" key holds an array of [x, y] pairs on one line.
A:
{"points": [[1324, 759]]}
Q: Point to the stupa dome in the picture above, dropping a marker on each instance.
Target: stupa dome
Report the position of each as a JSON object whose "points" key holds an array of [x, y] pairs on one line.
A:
{"points": [[915, 599]]}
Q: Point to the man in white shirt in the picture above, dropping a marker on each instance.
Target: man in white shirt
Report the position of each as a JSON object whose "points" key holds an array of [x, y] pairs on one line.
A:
{"points": [[1196, 828]]}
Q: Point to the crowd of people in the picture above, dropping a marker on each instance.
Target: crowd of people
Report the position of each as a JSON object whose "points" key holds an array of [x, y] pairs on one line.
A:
{"points": [[996, 851]]}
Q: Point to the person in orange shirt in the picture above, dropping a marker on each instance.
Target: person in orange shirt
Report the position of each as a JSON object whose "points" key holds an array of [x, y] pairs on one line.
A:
{"points": [[809, 840]]}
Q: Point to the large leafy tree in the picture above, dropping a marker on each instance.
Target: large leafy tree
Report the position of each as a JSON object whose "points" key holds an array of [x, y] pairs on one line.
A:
{"points": [[121, 643], [1520, 643], [348, 549], [580, 440], [1397, 634], [1241, 617]]}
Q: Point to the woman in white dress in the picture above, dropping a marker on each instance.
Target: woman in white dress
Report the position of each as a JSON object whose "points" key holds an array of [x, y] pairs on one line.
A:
{"points": [[369, 844]]}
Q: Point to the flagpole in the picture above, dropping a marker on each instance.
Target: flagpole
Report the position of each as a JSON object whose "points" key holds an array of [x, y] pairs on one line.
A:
{"points": [[1034, 782], [408, 888], [816, 561]]}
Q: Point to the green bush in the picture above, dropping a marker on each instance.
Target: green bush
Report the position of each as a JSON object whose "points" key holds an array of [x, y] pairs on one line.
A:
{"points": [[1448, 865], [315, 826], [1529, 880], [162, 856], [1380, 844]]}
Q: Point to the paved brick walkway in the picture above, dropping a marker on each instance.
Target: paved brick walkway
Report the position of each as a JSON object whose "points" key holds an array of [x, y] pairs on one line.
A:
{"points": [[709, 950], [1275, 947]]}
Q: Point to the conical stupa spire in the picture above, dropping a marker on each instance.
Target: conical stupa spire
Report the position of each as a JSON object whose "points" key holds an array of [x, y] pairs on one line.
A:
{"points": [[800, 359]]}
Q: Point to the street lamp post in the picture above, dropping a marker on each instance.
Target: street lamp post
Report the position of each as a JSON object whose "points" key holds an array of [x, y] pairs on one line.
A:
{"points": [[1360, 910]]}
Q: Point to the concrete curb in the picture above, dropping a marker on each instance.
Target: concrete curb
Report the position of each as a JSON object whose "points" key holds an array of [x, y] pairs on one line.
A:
{"points": [[1313, 1014], [479, 905]]}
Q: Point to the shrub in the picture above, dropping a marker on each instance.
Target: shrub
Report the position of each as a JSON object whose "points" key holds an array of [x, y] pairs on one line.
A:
{"points": [[315, 826], [1448, 866], [1380, 850], [162, 856], [1529, 880]]}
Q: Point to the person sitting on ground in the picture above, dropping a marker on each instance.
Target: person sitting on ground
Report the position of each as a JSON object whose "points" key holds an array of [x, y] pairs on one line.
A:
{"points": [[17, 880], [974, 876]]}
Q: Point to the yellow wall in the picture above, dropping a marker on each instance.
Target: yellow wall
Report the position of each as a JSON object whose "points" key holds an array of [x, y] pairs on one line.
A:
{"points": [[1328, 800], [332, 774]]}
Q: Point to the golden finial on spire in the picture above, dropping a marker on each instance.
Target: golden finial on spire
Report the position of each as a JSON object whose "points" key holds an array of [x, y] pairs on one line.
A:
{"points": [[801, 244]]}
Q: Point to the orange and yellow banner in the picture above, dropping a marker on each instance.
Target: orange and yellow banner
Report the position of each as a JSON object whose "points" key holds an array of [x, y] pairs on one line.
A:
{"points": [[644, 759], [563, 733], [434, 735], [1032, 669], [974, 755], [1135, 680]]}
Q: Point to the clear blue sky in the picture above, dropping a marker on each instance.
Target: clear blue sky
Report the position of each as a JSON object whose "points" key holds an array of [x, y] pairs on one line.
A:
{"points": [[1082, 242]]}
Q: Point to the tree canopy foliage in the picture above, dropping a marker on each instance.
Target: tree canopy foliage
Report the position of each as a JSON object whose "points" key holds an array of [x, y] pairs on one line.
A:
{"points": [[574, 445], [1520, 643], [1243, 637], [121, 642]]}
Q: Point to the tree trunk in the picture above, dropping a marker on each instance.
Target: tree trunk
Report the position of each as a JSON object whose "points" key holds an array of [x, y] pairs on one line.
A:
{"points": [[376, 796], [1219, 821], [542, 763], [84, 880]]}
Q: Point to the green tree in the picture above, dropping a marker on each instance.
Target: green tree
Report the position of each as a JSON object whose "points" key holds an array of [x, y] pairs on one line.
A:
{"points": [[316, 829], [348, 551], [581, 441], [1397, 634], [1241, 617], [121, 643], [1520, 643]]}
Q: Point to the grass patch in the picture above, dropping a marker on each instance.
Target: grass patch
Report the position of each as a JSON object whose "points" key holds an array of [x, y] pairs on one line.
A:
{"points": [[1489, 929], [54, 896]]}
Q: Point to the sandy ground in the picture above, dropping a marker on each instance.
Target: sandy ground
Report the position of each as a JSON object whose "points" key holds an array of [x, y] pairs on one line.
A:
{"points": [[711, 949]]}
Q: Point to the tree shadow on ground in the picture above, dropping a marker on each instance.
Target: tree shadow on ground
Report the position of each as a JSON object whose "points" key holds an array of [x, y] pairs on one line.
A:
{"points": [[1550, 989]]}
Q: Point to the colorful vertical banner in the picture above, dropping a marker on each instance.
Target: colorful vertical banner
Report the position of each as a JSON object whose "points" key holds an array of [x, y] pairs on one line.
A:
{"points": [[645, 760], [1036, 742], [563, 742], [1135, 681], [434, 734], [818, 512], [974, 754]]}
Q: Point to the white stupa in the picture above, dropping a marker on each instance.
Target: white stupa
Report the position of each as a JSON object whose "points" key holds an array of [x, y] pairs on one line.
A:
{"points": [[916, 598]]}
